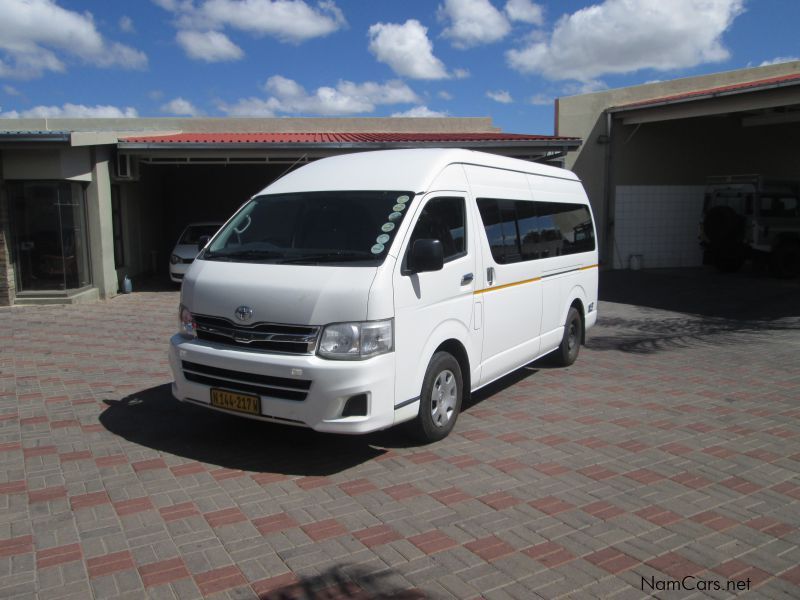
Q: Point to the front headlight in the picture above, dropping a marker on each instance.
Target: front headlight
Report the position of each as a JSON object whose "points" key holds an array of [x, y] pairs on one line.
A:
{"points": [[174, 259], [357, 341], [187, 325]]}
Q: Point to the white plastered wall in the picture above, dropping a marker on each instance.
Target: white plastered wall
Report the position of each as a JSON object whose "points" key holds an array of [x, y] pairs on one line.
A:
{"points": [[659, 223]]}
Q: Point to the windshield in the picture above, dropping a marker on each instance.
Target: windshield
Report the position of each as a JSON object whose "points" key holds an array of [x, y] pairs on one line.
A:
{"points": [[312, 228], [193, 233]]}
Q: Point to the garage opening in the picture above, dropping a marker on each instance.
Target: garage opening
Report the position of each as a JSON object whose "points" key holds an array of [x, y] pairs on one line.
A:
{"points": [[163, 197]]}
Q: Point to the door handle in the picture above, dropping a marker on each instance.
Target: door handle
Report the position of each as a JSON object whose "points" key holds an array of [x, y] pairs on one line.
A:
{"points": [[465, 279], [490, 275]]}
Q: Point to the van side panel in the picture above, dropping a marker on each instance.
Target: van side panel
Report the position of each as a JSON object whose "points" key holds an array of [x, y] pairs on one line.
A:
{"points": [[562, 277], [512, 295]]}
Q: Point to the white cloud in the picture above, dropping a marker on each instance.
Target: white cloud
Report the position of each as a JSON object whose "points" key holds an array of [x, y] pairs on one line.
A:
{"points": [[524, 11], [778, 60], [155, 95], [287, 20], [10, 90], [623, 36], [37, 35], [460, 73], [501, 96], [210, 46], [541, 99], [473, 22], [445, 95], [286, 96], [180, 107], [126, 24], [72, 111], [420, 111], [406, 49]]}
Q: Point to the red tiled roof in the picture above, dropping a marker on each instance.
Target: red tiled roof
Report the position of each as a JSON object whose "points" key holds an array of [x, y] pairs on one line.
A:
{"points": [[725, 89], [336, 138]]}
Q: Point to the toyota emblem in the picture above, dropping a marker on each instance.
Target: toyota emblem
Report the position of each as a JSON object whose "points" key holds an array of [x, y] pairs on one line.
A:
{"points": [[243, 313]]}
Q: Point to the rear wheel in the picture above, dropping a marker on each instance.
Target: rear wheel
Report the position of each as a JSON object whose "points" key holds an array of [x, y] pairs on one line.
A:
{"points": [[786, 259], [570, 346], [440, 401]]}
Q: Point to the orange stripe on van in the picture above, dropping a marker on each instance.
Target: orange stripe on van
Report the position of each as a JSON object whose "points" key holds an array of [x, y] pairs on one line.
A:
{"points": [[507, 285]]}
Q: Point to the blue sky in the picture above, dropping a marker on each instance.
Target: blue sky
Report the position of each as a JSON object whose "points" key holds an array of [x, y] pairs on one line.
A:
{"points": [[506, 59]]}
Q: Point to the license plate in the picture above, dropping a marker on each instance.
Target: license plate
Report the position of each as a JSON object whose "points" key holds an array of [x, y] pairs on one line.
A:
{"points": [[235, 401]]}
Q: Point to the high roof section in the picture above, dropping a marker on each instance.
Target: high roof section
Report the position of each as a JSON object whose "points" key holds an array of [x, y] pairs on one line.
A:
{"points": [[401, 170]]}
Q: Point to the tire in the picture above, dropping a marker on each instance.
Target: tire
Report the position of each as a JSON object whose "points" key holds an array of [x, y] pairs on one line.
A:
{"points": [[722, 226], [567, 352], [786, 259], [729, 263], [440, 400]]}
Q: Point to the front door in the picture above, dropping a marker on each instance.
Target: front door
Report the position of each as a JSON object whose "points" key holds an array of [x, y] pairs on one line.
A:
{"points": [[429, 306]]}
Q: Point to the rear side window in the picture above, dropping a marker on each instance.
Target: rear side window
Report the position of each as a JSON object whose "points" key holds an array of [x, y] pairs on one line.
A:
{"points": [[522, 230], [443, 219]]}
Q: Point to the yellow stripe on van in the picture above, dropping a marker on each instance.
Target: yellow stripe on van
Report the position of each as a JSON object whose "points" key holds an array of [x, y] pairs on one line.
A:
{"points": [[507, 285]]}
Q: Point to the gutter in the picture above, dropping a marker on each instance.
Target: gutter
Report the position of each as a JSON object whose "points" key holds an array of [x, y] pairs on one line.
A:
{"points": [[705, 96], [569, 144]]}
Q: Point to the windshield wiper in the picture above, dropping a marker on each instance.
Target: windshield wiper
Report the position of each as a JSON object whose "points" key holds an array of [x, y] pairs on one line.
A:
{"points": [[243, 255], [339, 256]]}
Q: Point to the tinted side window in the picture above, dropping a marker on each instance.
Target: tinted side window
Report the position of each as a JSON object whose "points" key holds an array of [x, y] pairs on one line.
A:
{"points": [[443, 219], [521, 230], [500, 221]]}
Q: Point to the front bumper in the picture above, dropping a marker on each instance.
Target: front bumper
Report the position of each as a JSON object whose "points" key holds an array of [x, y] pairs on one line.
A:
{"points": [[332, 383], [178, 270]]}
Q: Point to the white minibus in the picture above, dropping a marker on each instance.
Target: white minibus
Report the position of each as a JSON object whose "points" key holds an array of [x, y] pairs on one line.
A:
{"points": [[366, 290]]}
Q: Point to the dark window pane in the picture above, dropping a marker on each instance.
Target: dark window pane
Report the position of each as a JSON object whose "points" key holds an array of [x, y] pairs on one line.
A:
{"points": [[499, 219], [443, 219], [490, 215], [522, 230]]}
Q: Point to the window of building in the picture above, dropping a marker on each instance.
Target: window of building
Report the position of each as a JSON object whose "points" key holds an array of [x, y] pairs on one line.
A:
{"points": [[443, 219], [48, 227]]}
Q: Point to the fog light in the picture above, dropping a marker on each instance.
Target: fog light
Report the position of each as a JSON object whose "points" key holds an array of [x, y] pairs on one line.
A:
{"points": [[356, 406]]}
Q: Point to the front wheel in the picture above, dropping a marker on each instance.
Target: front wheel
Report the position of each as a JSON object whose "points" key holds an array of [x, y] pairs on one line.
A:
{"points": [[567, 352], [440, 401]]}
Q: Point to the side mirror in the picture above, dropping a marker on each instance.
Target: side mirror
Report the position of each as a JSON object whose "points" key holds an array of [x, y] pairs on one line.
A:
{"points": [[202, 241], [426, 255]]}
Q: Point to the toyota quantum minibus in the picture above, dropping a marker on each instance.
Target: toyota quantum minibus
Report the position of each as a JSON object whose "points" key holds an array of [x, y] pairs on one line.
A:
{"points": [[365, 290]]}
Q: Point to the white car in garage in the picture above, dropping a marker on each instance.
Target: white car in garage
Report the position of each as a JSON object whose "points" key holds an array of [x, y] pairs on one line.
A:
{"points": [[187, 248]]}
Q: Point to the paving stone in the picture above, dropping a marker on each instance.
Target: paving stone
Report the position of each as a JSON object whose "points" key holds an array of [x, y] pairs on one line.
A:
{"points": [[673, 441]]}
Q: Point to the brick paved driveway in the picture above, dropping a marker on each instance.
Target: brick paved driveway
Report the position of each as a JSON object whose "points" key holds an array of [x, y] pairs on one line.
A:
{"points": [[671, 448]]}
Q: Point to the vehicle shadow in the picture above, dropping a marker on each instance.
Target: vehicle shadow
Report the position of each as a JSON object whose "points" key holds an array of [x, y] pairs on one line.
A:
{"points": [[345, 581], [154, 419]]}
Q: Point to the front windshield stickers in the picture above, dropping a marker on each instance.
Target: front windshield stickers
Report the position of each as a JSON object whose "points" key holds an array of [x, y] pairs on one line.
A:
{"points": [[312, 228]]}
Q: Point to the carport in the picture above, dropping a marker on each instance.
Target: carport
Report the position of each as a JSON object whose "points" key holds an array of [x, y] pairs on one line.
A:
{"points": [[664, 150], [167, 181], [649, 151]]}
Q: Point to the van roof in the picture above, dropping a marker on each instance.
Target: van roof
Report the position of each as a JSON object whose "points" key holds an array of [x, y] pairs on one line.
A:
{"points": [[412, 170]]}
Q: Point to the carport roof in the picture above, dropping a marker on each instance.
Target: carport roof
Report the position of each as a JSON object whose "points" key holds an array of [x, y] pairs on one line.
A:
{"points": [[737, 88], [344, 140]]}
